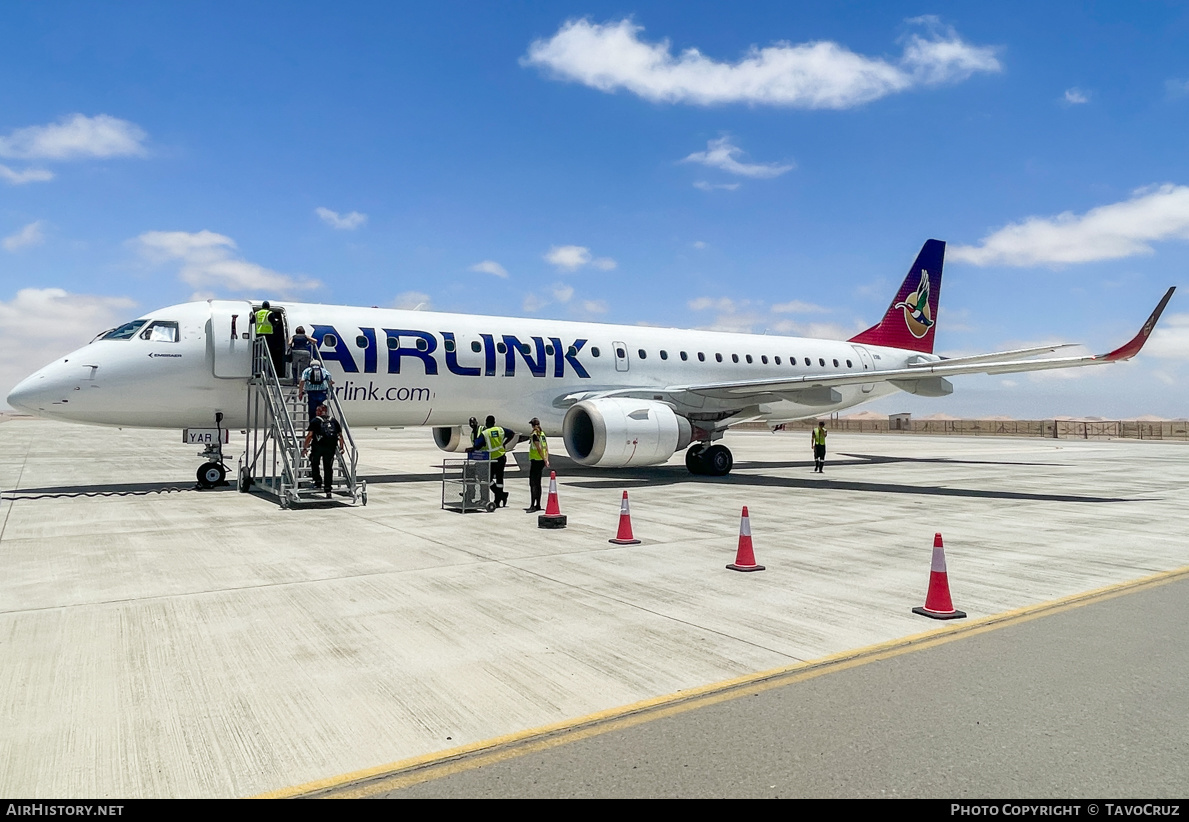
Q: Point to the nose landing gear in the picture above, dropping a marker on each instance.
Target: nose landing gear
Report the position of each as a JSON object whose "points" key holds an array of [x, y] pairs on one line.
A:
{"points": [[713, 460]]}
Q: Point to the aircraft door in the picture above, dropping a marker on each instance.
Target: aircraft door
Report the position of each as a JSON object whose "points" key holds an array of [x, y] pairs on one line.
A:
{"points": [[621, 356], [868, 365], [229, 336]]}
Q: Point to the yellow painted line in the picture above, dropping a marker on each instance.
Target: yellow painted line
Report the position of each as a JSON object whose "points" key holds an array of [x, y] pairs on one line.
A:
{"points": [[408, 772]]}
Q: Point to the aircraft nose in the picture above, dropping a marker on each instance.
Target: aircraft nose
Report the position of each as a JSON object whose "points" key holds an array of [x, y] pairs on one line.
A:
{"points": [[45, 393]]}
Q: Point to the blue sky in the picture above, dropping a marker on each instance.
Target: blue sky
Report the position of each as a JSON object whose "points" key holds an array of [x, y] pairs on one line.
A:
{"points": [[770, 167]]}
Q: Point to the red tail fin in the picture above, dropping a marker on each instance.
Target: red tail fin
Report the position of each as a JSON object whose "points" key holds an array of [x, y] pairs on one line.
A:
{"points": [[911, 319]]}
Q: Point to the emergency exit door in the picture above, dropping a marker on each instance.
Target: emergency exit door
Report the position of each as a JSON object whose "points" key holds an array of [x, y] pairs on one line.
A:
{"points": [[229, 336]]}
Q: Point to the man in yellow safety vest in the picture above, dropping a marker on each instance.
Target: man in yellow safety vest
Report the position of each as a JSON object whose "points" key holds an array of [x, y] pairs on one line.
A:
{"points": [[818, 438], [495, 438]]}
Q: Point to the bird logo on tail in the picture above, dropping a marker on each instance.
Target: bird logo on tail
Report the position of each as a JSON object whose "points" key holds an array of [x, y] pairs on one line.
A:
{"points": [[916, 308]]}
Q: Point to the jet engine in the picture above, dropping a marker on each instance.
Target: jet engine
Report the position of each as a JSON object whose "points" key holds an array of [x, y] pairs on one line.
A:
{"points": [[614, 432], [452, 438]]}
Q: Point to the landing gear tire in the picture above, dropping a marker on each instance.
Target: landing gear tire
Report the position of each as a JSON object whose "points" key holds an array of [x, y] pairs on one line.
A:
{"points": [[245, 481], [211, 474], [717, 461], [693, 459]]}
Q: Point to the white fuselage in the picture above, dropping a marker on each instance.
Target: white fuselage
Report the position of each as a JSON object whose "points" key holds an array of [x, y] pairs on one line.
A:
{"points": [[414, 368]]}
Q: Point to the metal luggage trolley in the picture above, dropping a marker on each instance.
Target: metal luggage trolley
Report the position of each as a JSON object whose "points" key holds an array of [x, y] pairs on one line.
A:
{"points": [[466, 486]]}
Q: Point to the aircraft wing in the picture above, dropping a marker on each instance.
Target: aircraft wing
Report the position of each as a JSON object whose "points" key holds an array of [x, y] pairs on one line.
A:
{"points": [[909, 378]]}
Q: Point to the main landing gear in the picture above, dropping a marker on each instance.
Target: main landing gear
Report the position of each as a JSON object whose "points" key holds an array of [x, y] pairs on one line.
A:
{"points": [[712, 460]]}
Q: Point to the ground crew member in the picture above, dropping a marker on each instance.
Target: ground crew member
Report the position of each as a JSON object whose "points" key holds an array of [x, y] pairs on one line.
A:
{"points": [[268, 326], [494, 439], [538, 461], [818, 437]]}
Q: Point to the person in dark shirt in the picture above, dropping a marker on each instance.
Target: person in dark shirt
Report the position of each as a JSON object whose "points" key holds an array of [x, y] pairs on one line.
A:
{"points": [[323, 437]]}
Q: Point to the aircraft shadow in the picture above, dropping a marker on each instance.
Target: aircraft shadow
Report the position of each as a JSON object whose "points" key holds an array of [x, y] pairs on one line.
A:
{"points": [[582, 476]]}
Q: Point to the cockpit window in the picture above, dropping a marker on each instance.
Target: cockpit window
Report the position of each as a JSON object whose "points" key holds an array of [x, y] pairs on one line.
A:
{"points": [[161, 331], [125, 331]]}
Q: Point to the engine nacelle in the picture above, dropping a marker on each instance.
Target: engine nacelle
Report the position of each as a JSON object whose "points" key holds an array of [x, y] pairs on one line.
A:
{"points": [[452, 438], [615, 432]]}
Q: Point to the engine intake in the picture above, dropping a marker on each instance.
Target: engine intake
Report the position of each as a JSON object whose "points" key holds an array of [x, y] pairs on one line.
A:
{"points": [[615, 432], [452, 438]]}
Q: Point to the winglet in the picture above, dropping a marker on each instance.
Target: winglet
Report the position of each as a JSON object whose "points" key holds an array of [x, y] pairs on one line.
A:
{"points": [[1126, 352]]}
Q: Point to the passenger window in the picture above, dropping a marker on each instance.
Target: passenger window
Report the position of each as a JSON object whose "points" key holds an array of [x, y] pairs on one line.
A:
{"points": [[734, 358], [764, 359], [594, 352], [807, 362], [332, 340], [161, 332], [701, 357], [684, 356], [524, 349], [500, 347], [361, 341], [643, 354], [718, 357], [394, 343], [778, 360], [573, 352], [848, 365], [476, 347], [835, 363], [821, 362], [664, 354], [126, 331], [450, 346], [748, 358], [549, 349]]}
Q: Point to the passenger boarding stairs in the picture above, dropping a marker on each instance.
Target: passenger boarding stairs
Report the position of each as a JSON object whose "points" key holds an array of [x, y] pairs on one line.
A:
{"points": [[273, 461]]}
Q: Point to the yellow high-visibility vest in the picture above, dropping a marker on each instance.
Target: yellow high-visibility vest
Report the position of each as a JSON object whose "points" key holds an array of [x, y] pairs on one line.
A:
{"points": [[494, 437], [538, 446], [263, 326], [819, 436]]}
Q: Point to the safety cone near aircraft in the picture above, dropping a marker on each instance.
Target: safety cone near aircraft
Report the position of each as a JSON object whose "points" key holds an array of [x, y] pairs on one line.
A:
{"points": [[745, 558], [553, 517], [624, 537], [938, 604]]}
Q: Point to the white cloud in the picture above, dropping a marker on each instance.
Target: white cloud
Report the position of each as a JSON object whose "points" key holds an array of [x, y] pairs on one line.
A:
{"points": [[1176, 87], [413, 300], [533, 303], [594, 307], [798, 307], [490, 267], [573, 257], [702, 185], [30, 340], [698, 244], [29, 175], [76, 136], [1109, 232], [208, 261], [27, 236], [1170, 340], [343, 222], [563, 293], [812, 75], [722, 154], [1076, 96]]}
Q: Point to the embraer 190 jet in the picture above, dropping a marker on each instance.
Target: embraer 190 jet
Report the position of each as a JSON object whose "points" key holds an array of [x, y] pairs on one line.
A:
{"points": [[618, 395]]}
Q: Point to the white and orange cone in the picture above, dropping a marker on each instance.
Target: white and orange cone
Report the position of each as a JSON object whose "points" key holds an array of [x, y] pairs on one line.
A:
{"points": [[938, 604], [745, 558], [553, 517], [624, 537]]}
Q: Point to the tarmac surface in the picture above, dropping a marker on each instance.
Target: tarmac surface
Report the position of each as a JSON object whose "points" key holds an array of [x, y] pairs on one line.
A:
{"points": [[156, 640]]}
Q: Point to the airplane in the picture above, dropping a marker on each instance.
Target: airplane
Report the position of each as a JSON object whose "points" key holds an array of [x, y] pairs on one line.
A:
{"points": [[617, 395]]}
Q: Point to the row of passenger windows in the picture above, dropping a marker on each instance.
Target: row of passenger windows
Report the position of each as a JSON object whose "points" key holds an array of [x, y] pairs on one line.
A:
{"points": [[476, 346]]}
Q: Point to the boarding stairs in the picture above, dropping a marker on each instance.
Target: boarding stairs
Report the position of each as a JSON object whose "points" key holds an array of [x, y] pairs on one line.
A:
{"points": [[273, 462]]}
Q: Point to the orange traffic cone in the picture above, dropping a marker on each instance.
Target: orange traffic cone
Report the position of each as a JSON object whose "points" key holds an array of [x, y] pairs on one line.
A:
{"points": [[553, 517], [624, 537], [745, 558], [937, 602]]}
